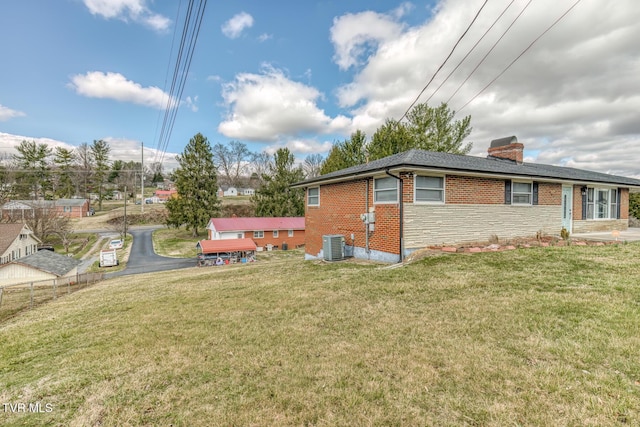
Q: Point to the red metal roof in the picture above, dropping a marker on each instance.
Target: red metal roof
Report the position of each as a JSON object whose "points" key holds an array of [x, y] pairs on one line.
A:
{"points": [[226, 245], [258, 223]]}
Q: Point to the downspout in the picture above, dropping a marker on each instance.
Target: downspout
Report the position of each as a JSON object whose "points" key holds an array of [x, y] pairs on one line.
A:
{"points": [[366, 224], [401, 225]]}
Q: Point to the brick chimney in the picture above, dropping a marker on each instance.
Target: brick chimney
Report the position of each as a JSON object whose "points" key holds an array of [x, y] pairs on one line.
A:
{"points": [[507, 148]]}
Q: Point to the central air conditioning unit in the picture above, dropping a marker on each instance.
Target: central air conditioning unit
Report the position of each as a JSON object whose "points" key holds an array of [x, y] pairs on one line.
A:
{"points": [[333, 247]]}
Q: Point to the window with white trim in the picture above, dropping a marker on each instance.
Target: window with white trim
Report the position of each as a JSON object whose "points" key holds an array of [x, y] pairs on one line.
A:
{"points": [[429, 189], [521, 193], [290, 234], [313, 196], [602, 203], [385, 190], [275, 234], [258, 234]]}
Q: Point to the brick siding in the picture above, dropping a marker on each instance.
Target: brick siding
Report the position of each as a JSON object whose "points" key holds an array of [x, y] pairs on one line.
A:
{"points": [[283, 237], [474, 209]]}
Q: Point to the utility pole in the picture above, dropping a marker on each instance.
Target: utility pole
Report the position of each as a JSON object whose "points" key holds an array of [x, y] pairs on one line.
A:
{"points": [[125, 213], [142, 201]]}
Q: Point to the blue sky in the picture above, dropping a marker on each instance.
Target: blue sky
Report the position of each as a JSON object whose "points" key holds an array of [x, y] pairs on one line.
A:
{"points": [[304, 74]]}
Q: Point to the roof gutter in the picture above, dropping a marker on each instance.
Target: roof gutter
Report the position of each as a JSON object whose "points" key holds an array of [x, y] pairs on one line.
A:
{"points": [[400, 207]]}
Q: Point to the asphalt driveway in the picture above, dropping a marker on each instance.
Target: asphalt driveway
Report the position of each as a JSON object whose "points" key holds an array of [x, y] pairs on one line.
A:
{"points": [[629, 235], [143, 259]]}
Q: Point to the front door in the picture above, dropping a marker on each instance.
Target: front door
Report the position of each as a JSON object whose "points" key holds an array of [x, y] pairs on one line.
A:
{"points": [[567, 205]]}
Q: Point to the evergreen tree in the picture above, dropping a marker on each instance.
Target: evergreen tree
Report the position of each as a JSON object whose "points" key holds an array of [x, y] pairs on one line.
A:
{"points": [[274, 197], [64, 160], [196, 183], [33, 178], [100, 154], [351, 152], [427, 128]]}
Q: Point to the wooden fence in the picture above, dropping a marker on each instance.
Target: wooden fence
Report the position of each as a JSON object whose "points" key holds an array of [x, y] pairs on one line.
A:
{"points": [[21, 296]]}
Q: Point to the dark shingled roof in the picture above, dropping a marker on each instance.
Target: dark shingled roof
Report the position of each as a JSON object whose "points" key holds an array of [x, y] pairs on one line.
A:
{"points": [[485, 165], [50, 262]]}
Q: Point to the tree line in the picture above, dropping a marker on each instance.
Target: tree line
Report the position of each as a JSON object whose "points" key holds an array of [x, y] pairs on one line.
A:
{"points": [[196, 178], [39, 172]]}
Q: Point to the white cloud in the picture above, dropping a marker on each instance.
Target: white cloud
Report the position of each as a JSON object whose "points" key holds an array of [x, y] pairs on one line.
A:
{"points": [[7, 113], [270, 106], [134, 10], [96, 84], [264, 37], [354, 35], [301, 147], [234, 27], [571, 99], [191, 103]]}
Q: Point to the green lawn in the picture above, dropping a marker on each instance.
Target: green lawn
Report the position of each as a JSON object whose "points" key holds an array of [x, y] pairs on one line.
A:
{"points": [[176, 242], [532, 337]]}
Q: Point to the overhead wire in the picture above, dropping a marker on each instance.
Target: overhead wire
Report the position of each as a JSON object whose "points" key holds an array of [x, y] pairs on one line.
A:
{"points": [[489, 51], [521, 54], [444, 62], [194, 39], [470, 51], [166, 77], [190, 32]]}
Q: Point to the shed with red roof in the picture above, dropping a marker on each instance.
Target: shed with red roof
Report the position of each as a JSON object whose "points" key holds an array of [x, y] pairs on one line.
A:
{"points": [[212, 252]]}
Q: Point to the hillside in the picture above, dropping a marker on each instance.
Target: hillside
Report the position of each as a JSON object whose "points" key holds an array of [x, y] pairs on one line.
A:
{"points": [[544, 336]]}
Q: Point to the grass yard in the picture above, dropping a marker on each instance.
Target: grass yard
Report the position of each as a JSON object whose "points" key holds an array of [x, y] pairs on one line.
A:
{"points": [[534, 337], [176, 242]]}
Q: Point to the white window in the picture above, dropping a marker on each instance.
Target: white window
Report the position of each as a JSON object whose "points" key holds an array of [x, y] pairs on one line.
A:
{"points": [[258, 234], [521, 193], [275, 234], [602, 203], [290, 234], [313, 196], [429, 189], [385, 190]]}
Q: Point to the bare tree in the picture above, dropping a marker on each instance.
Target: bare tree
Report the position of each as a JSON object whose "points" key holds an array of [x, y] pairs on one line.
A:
{"points": [[6, 183], [62, 228], [232, 161], [42, 218], [85, 169], [260, 164], [312, 164]]}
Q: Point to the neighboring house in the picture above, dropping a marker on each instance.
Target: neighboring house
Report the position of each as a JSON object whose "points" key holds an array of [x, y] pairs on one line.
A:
{"points": [[163, 195], [19, 210], [264, 231], [166, 185], [418, 198], [42, 265], [16, 241], [247, 191], [227, 191]]}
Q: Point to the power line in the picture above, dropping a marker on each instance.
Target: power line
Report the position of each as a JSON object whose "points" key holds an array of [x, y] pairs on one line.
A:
{"points": [[522, 53], [190, 33], [470, 50], [445, 61], [166, 75], [489, 51]]}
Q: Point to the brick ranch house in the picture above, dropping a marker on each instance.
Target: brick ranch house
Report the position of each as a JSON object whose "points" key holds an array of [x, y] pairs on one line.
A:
{"points": [[455, 199], [263, 230], [18, 210]]}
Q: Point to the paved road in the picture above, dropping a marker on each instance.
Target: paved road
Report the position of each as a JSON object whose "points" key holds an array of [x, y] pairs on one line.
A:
{"points": [[143, 259]]}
